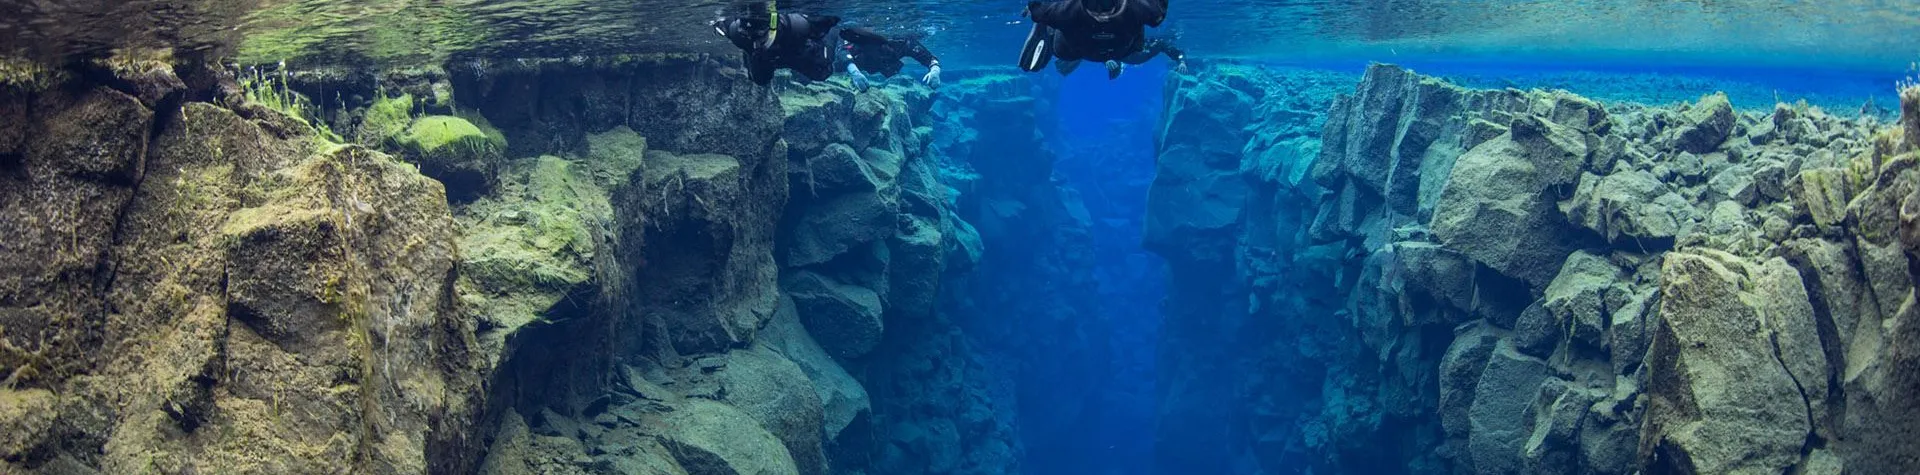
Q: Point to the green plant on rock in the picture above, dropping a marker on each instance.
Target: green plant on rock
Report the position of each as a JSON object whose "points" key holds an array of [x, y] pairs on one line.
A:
{"points": [[26, 75], [270, 90], [386, 119]]}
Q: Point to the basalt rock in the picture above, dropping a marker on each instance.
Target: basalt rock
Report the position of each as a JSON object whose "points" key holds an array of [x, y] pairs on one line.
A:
{"points": [[1721, 400]]}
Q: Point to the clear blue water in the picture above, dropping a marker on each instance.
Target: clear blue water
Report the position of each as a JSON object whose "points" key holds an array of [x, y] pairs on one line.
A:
{"points": [[1100, 411]]}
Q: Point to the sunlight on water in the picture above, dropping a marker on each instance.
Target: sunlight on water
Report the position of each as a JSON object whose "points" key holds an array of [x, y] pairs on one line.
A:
{"points": [[1851, 33]]}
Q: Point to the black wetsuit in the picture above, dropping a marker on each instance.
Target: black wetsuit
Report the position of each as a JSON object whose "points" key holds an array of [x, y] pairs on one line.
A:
{"points": [[874, 53], [799, 44], [1065, 29]]}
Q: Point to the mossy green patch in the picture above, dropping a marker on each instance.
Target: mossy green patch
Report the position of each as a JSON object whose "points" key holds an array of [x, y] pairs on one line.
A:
{"points": [[533, 242], [614, 155], [454, 138], [386, 119], [663, 166], [808, 97]]}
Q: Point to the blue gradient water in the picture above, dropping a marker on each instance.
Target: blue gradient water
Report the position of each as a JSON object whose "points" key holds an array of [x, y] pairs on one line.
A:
{"points": [[1106, 152]]}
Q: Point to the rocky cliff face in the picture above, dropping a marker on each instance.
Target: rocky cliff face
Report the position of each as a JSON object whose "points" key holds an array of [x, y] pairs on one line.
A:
{"points": [[197, 286], [580, 268], [1533, 282]]}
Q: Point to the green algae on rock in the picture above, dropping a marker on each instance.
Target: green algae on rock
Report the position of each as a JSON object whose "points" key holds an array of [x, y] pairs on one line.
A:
{"points": [[530, 244], [463, 154]]}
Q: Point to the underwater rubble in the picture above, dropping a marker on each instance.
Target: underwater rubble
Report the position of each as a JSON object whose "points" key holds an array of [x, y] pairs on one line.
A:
{"points": [[1506, 281]]}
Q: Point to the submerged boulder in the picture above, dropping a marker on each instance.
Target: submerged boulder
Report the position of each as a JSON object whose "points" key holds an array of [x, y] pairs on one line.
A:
{"points": [[843, 399], [1631, 209], [1707, 125], [1577, 298], [1498, 207], [1499, 419], [712, 438], [838, 225], [532, 244], [707, 266], [1720, 399], [462, 154], [845, 318], [774, 391]]}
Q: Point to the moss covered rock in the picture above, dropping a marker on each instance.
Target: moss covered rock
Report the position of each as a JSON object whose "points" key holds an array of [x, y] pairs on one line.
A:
{"points": [[528, 246], [462, 153], [613, 156]]}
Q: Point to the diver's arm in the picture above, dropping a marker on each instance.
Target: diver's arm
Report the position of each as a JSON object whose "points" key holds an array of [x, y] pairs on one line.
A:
{"points": [[1166, 46], [919, 52], [1154, 12]]}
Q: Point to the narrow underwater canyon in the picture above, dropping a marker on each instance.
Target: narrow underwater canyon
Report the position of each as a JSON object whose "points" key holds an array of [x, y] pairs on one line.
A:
{"points": [[648, 265]]}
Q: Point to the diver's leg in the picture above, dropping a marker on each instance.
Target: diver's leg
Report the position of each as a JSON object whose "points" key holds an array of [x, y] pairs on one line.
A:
{"points": [[1038, 49], [761, 72], [1066, 66]]}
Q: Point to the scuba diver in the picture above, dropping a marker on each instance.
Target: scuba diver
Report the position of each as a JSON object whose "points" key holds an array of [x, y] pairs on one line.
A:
{"points": [[769, 40], [871, 52], [1154, 47], [1098, 30]]}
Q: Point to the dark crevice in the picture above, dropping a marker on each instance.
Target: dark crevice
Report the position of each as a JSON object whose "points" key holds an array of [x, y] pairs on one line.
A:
{"points": [[13, 164], [90, 72], [168, 110], [1828, 333]]}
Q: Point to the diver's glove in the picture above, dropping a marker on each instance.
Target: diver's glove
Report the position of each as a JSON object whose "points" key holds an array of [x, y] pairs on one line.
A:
{"points": [[933, 75], [859, 78], [1181, 67], [1113, 69]]}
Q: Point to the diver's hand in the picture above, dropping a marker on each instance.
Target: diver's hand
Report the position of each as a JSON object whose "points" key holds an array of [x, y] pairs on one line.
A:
{"points": [[860, 82], [933, 76], [1180, 67]]}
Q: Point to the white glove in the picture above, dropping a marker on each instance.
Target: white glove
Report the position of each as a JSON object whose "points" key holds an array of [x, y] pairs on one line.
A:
{"points": [[859, 79], [933, 76]]}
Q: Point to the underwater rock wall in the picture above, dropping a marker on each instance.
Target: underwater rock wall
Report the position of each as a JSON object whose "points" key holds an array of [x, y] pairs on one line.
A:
{"points": [[580, 268], [868, 244], [784, 250], [196, 283], [1248, 345], [1535, 282]]}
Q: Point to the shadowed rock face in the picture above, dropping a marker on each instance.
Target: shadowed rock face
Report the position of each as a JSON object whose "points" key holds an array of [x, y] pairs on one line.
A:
{"points": [[1625, 289]]}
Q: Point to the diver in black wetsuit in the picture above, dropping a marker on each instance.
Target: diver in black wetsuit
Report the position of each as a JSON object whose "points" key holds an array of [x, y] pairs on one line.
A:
{"points": [[871, 52], [1098, 30], [1154, 47], [769, 40]]}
